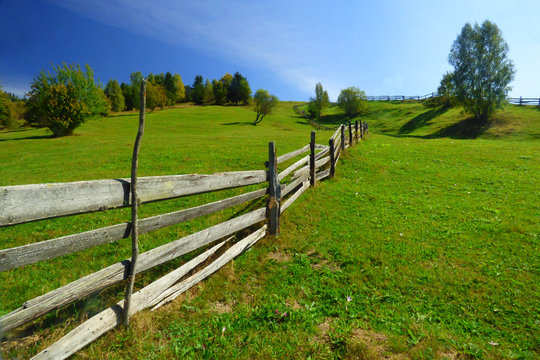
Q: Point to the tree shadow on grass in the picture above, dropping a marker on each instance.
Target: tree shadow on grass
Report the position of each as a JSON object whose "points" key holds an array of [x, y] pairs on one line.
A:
{"points": [[243, 123], [421, 120], [469, 128], [35, 137]]}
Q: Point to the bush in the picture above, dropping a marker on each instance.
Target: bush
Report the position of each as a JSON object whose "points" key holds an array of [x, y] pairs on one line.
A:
{"points": [[352, 101], [63, 101]]}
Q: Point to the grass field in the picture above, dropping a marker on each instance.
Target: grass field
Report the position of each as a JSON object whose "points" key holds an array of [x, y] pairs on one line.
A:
{"points": [[425, 245]]}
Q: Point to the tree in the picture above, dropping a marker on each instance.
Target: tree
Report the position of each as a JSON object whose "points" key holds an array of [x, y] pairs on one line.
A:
{"points": [[239, 89], [352, 101], [482, 70], [197, 94], [319, 102], [136, 80], [5, 112], [179, 88], [114, 94], [156, 95], [220, 92], [208, 91], [446, 90], [65, 100], [264, 103]]}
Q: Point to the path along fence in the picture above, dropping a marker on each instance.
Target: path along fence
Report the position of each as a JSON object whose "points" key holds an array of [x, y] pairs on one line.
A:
{"points": [[25, 203]]}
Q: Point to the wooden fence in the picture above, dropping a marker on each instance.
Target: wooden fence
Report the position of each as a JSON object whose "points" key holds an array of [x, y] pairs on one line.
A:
{"points": [[515, 101], [25, 203]]}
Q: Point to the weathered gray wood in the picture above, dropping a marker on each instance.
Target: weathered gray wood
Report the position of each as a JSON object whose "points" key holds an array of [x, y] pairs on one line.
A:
{"points": [[323, 174], [295, 196], [238, 248], [116, 272], [336, 134], [23, 203], [274, 192], [320, 154], [312, 179], [356, 130], [343, 137], [350, 134], [135, 206], [44, 250], [282, 175], [332, 158], [302, 171], [106, 320], [322, 162], [293, 185], [292, 154], [320, 147]]}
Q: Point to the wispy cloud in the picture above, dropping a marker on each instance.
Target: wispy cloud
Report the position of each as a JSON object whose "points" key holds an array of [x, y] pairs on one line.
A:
{"points": [[247, 32]]}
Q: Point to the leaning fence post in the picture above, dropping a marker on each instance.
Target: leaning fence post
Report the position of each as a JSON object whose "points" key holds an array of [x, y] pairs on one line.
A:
{"points": [[312, 178], [356, 130], [274, 192], [350, 134], [332, 158], [134, 206], [342, 137]]}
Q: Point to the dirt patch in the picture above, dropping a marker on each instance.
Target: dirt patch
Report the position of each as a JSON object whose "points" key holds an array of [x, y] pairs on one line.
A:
{"points": [[279, 256], [373, 345], [221, 308], [324, 328]]}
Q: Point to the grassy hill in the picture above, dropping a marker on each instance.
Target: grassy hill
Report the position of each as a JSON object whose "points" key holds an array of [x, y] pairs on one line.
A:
{"points": [[423, 246]]}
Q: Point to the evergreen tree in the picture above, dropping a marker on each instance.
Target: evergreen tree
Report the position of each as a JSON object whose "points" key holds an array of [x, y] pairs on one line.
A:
{"points": [[208, 91], [239, 89], [220, 92], [197, 94], [114, 93]]}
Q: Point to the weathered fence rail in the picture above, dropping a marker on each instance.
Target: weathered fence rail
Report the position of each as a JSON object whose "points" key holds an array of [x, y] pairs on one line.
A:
{"points": [[25, 203], [511, 100]]}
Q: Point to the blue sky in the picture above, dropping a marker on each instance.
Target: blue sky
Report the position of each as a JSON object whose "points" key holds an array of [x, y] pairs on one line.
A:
{"points": [[383, 47]]}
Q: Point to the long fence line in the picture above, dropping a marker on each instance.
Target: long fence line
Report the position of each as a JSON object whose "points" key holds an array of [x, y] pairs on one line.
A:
{"points": [[26, 203], [511, 100]]}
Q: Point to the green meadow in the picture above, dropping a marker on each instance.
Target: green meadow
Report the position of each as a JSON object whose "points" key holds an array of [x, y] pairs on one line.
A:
{"points": [[424, 245]]}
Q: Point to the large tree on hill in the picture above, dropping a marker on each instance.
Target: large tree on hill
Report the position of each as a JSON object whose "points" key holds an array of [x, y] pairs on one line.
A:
{"points": [[352, 101], [115, 96], [319, 102], [63, 101], [482, 70], [264, 103], [239, 90]]}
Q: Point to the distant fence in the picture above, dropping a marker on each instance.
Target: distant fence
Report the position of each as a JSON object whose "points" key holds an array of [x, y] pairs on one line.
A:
{"points": [[515, 101], [24, 203]]}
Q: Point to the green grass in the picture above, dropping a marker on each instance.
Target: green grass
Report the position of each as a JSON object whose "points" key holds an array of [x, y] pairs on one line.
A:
{"points": [[434, 240]]}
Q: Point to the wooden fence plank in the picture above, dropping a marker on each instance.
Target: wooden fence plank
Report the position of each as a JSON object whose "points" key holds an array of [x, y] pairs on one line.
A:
{"points": [[292, 154], [321, 147], [116, 272], [322, 162], [320, 154], [323, 174], [282, 175], [23, 203], [294, 184], [101, 323], [295, 196], [44, 250], [312, 179]]}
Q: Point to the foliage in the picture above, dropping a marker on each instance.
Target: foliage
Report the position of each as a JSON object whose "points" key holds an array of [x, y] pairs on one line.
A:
{"points": [[239, 90], [63, 101], [208, 91], [180, 92], [197, 93], [114, 93], [220, 92], [352, 101], [6, 119], [156, 95], [319, 102], [264, 104], [482, 69]]}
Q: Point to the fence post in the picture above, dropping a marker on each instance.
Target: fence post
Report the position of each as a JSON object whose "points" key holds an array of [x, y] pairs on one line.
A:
{"points": [[274, 192], [332, 158], [312, 178], [520, 100], [366, 127], [350, 134], [342, 137], [134, 207], [356, 130]]}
